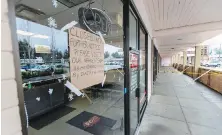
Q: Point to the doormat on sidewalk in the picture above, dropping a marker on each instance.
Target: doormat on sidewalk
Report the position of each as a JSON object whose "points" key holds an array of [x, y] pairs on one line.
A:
{"points": [[50, 117], [93, 123]]}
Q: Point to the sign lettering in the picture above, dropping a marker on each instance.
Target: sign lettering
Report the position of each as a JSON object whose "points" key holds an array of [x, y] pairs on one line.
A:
{"points": [[86, 58]]}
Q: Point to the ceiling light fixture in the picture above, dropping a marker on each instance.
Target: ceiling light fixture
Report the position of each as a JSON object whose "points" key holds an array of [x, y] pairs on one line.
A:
{"points": [[25, 33], [41, 36], [28, 13], [179, 39]]}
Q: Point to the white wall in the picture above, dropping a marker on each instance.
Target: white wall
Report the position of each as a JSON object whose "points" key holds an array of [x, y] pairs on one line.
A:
{"points": [[166, 61], [11, 122], [150, 75], [140, 5], [143, 11]]}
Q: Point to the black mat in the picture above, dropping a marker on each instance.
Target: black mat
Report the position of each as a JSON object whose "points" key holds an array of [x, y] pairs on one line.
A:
{"points": [[101, 127], [50, 117]]}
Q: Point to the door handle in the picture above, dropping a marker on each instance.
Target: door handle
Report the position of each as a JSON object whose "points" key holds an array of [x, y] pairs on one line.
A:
{"points": [[137, 92]]}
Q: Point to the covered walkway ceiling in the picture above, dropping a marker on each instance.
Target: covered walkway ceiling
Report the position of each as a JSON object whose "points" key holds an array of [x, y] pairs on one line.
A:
{"points": [[181, 24]]}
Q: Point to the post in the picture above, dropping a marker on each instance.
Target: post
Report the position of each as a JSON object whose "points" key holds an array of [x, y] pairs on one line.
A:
{"points": [[12, 106], [197, 60], [192, 58], [184, 59], [178, 59]]}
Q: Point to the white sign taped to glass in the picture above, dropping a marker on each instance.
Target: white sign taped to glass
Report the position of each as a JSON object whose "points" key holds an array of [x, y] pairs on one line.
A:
{"points": [[86, 58]]}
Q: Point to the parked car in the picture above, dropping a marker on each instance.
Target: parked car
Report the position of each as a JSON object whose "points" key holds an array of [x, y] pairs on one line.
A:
{"points": [[22, 70], [36, 68], [212, 64], [44, 67], [27, 66], [58, 68]]}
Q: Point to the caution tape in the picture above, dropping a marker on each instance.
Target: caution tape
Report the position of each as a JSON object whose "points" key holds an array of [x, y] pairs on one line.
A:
{"points": [[190, 73]]}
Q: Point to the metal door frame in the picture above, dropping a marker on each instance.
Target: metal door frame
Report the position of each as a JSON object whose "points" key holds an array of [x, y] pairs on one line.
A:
{"points": [[129, 6]]}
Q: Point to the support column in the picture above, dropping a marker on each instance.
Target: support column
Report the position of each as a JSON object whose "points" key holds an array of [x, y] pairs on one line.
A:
{"points": [[184, 59], [175, 59], [181, 59], [178, 59], [197, 60], [192, 58], [12, 107]]}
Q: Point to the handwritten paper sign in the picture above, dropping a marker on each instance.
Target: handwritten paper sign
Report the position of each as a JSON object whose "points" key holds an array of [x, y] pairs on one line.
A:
{"points": [[86, 58]]}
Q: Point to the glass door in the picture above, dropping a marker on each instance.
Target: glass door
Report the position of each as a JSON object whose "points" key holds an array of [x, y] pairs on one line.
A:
{"points": [[134, 56], [142, 70], [135, 63], [134, 89]]}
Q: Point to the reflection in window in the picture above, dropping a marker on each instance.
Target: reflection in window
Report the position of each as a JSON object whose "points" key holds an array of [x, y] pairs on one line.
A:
{"points": [[133, 32], [43, 50], [142, 68], [211, 56]]}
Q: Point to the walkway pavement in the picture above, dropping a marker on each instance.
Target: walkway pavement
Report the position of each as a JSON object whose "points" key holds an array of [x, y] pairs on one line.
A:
{"points": [[179, 107]]}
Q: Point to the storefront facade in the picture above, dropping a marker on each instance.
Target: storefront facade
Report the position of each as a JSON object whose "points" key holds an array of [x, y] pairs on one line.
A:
{"points": [[84, 66]]}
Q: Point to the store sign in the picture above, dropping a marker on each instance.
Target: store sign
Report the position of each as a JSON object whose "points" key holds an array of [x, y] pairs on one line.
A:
{"points": [[133, 60], [86, 58], [42, 49], [94, 20]]}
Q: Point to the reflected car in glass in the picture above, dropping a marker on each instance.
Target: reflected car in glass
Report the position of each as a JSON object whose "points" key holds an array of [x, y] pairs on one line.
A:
{"points": [[211, 64]]}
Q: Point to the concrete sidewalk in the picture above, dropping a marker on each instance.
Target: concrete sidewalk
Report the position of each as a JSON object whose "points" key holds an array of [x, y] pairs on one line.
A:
{"points": [[179, 107]]}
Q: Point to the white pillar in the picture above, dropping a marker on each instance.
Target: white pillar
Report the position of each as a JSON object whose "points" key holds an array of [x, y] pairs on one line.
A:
{"points": [[192, 60], [12, 107], [184, 58], [175, 56], [178, 58], [197, 59], [150, 68]]}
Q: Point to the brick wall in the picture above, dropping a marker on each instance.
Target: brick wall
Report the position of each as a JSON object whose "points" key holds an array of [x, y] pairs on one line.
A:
{"points": [[11, 121]]}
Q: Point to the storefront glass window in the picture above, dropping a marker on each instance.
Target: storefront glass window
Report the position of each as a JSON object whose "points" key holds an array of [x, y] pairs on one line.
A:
{"points": [[133, 32], [211, 56], [52, 101], [134, 57], [43, 50]]}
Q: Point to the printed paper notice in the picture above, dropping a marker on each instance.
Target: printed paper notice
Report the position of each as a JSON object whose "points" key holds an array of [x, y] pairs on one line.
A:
{"points": [[86, 58]]}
